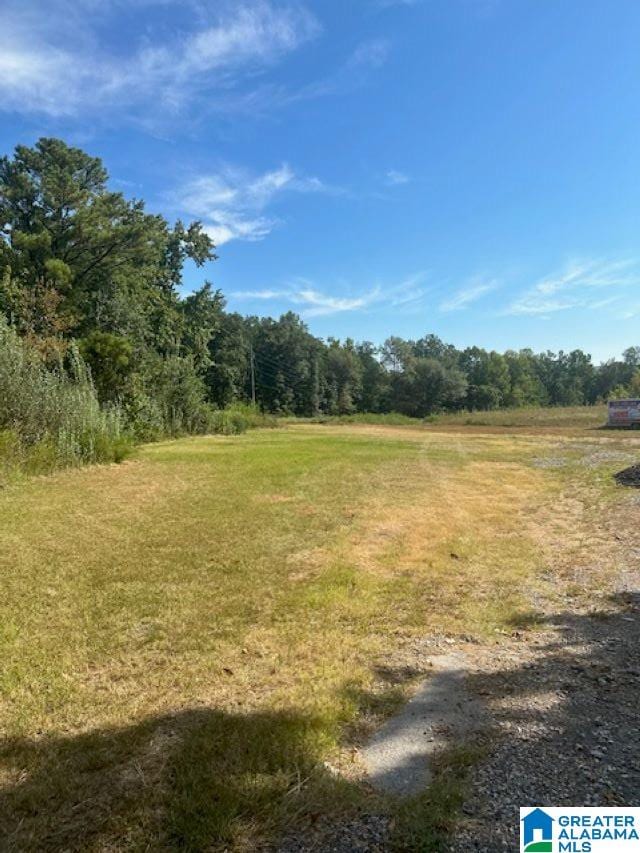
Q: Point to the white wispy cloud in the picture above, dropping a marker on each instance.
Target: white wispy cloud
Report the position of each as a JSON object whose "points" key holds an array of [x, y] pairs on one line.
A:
{"points": [[312, 301], [394, 178], [369, 54], [46, 69], [232, 203], [262, 98], [409, 292], [579, 284], [630, 311], [260, 294], [348, 77], [474, 290], [56, 59]]}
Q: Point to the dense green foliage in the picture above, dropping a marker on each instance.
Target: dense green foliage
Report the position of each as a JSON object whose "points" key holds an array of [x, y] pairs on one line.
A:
{"points": [[82, 266], [50, 418]]}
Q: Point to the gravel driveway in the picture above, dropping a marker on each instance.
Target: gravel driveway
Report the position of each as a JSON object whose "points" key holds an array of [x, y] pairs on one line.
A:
{"points": [[562, 706], [565, 710]]}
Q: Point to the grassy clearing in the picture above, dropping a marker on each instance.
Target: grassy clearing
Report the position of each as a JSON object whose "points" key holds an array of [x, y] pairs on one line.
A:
{"points": [[384, 419], [549, 418], [186, 637], [571, 417]]}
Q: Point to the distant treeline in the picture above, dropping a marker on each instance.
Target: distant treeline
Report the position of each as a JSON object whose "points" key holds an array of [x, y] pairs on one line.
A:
{"points": [[86, 273]]}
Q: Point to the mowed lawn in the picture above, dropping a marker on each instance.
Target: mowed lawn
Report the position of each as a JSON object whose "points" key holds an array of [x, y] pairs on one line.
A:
{"points": [[188, 637]]}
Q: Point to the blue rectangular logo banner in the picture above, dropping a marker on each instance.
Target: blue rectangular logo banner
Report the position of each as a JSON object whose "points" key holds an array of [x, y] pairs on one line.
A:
{"points": [[579, 830]]}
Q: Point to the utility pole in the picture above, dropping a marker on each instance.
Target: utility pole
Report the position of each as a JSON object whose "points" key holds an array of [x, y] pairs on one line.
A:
{"points": [[253, 374], [315, 392]]}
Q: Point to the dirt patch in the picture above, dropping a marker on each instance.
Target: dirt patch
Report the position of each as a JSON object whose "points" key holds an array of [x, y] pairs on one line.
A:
{"points": [[629, 477]]}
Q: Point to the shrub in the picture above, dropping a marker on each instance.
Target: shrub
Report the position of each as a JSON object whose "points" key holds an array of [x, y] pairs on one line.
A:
{"points": [[109, 357], [10, 454], [179, 394], [229, 422], [254, 417], [52, 418], [385, 419], [238, 418]]}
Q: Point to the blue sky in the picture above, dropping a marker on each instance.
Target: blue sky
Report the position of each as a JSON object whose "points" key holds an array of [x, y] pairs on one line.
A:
{"points": [[463, 167]]}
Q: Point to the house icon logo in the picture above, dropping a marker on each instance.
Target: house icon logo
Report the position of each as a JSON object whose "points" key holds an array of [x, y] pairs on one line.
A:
{"points": [[537, 832]]}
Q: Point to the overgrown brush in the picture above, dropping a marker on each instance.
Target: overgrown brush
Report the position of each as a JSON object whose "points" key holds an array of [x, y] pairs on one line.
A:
{"points": [[385, 419], [578, 417], [52, 418], [172, 403], [238, 418]]}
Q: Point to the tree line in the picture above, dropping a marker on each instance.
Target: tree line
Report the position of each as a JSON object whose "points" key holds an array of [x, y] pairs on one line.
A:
{"points": [[296, 373], [84, 270]]}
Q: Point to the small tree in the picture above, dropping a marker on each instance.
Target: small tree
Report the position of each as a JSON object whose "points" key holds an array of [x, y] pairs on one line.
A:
{"points": [[109, 358]]}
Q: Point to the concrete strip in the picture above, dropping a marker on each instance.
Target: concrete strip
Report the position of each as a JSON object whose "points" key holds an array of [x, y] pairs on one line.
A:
{"points": [[398, 756]]}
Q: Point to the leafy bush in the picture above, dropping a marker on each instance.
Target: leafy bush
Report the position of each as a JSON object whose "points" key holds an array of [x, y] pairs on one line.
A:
{"points": [[52, 418], [110, 360], [143, 416], [238, 418], [229, 422], [10, 454], [179, 394], [254, 416]]}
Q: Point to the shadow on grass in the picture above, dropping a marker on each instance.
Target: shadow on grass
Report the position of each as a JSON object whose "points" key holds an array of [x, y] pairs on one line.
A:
{"points": [[530, 619], [204, 780], [425, 822], [196, 780]]}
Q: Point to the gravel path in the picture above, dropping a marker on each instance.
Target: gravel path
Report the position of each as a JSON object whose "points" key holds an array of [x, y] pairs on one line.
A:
{"points": [[398, 757], [560, 707], [564, 717], [564, 701], [565, 711]]}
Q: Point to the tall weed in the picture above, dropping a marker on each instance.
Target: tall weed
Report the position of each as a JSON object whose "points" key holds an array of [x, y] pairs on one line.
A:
{"points": [[51, 418], [238, 418]]}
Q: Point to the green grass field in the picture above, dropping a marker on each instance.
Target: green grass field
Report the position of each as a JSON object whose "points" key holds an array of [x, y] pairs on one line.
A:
{"points": [[188, 636], [552, 417], [569, 417]]}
